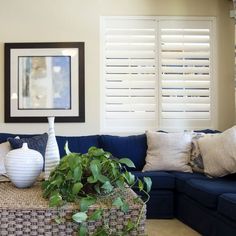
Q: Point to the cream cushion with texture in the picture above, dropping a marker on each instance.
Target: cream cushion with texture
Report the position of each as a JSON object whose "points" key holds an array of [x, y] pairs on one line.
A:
{"points": [[168, 151], [4, 149], [219, 153]]}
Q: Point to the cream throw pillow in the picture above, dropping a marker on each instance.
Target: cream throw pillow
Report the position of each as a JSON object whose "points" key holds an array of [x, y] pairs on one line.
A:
{"points": [[219, 153], [168, 151], [4, 149]]}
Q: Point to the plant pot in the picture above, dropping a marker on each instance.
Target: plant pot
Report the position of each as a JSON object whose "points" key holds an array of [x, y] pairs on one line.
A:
{"points": [[23, 166]]}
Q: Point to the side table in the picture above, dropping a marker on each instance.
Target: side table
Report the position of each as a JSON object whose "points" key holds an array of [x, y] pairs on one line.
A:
{"points": [[26, 212]]}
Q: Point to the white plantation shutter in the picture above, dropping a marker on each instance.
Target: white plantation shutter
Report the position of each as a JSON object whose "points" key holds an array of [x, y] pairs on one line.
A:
{"points": [[129, 72], [185, 73], [157, 73]]}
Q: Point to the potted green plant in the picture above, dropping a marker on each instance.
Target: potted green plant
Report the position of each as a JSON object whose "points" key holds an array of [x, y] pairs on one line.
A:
{"points": [[86, 179]]}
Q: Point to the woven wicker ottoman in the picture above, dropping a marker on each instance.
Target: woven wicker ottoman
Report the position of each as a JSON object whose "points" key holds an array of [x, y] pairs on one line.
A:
{"points": [[26, 212]]}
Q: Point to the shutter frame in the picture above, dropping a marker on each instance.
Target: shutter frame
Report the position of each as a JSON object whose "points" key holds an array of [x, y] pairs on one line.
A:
{"points": [[140, 125], [192, 80]]}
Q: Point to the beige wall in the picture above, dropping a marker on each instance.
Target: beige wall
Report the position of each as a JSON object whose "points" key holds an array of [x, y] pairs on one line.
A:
{"points": [[78, 20]]}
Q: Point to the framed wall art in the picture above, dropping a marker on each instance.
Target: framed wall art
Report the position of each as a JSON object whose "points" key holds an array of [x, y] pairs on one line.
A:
{"points": [[44, 79]]}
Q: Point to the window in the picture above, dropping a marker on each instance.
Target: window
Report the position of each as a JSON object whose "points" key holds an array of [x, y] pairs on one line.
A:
{"points": [[156, 73]]}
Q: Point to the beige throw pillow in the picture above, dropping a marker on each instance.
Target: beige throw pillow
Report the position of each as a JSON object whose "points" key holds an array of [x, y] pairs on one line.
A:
{"points": [[219, 153], [4, 149], [168, 151]]}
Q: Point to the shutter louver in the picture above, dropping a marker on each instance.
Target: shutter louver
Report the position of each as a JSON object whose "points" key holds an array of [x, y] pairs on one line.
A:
{"points": [[129, 58], [185, 71]]}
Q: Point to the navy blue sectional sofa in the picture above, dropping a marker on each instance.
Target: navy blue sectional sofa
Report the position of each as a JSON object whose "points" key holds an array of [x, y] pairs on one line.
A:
{"points": [[207, 205]]}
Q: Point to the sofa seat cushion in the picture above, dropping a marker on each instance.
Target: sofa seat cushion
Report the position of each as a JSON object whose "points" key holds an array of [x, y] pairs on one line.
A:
{"points": [[160, 179], [133, 147], [227, 205], [182, 177], [207, 191], [79, 144]]}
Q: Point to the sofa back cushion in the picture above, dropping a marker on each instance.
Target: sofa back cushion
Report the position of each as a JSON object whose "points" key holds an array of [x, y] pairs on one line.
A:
{"points": [[4, 137], [38, 142], [168, 151], [133, 147], [79, 144], [219, 153]]}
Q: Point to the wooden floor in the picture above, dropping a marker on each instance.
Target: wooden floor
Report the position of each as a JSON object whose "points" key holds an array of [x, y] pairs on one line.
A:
{"points": [[169, 228]]}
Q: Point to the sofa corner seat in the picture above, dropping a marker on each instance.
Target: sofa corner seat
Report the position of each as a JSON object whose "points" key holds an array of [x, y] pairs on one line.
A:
{"points": [[207, 205]]}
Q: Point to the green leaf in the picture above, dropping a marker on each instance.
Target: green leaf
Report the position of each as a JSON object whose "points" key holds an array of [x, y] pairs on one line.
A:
{"points": [[55, 200], [97, 215], [101, 232], [98, 152], [58, 220], [102, 178], [140, 185], [130, 226], [71, 162], [148, 183], [107, 187], [78, 173], [69, 175], [86, 202], [66, 148], [91, 149], [83, 231], [45, 184], [125, 207], [127, 162], [130, 178], [114, 169], [97, 188], [118, 202], [77, 187], [95, 168], [80, 217], [120, 183], [91, 180]]}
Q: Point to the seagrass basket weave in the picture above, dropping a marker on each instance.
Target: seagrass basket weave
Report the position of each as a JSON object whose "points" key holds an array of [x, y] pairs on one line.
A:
{"points": [[26, 212]]}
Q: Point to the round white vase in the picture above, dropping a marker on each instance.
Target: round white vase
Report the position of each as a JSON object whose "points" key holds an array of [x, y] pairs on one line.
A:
{"points": [[23, 166], [52, 155]]}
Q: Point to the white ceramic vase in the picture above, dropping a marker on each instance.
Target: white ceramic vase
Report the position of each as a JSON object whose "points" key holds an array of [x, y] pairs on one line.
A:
{"points": [[52, 155], [23, 166]]}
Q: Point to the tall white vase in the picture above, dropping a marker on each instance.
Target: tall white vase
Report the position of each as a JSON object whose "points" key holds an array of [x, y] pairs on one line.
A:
{"points": [[52, 155]]}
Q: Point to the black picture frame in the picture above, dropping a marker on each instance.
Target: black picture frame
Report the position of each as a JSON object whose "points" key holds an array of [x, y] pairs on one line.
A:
{"points": [[30, 107]]}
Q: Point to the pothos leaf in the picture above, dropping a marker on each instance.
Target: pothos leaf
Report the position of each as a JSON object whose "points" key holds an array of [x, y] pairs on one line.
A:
{"points": [[83, 230], [102, 178], [77, 187], [97, 188], [80, 217], [140, 185], [118, 202], [77, 173], [66, 148], [130, 225], [125, 207], [95, 168], [91, 180], [127, 162], [148, 183], [59, 220], [107, 187], [55, 200], [86, 202], [130, 178], [97, 215]]}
